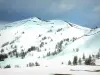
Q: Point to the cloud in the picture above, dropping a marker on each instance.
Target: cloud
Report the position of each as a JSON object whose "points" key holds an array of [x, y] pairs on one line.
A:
{"points": [[52, 6], [60, 7], [97, 9], [3, 22], [87, 10]]}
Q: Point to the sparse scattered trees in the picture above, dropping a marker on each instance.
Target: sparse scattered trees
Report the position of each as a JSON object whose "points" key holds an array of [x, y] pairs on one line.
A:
{"points": [[89, 61], [31, 64], [59, 46]]}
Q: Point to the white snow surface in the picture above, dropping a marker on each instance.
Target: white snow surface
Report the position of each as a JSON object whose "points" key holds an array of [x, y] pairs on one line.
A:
{"points": [[60, 70], [26, 33]]}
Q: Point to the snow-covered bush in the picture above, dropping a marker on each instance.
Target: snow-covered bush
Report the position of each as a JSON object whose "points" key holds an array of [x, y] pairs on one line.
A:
{"points": [[37, 64], [49, 30], [42, 44], [59, 29], [74, 38], [17, 66], [30, 64], [40, 35], [7, 66], [44, 38], [67, 39], [32, 48], [23, 32]]}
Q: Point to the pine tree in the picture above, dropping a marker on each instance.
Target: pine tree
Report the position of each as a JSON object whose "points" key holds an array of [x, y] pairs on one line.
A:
{"points": [[98, 55], [93, 55], [80, 61], [22, 54], [69, 62], [88, 60], [77, 49], [93, 61], [37, 64], [16, 55], [75, 60], [48, 54], [83, 57], [30, 64]]}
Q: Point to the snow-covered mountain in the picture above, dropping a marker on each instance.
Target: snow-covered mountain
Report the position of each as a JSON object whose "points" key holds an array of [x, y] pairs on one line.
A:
{"points": [[48, 42]]}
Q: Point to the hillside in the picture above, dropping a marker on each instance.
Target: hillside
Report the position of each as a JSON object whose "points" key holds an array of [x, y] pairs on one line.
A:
{"points": [[46, 42]]}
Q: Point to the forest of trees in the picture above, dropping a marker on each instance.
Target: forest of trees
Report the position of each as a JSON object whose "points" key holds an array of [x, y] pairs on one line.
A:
{"points": [[90, 60]]}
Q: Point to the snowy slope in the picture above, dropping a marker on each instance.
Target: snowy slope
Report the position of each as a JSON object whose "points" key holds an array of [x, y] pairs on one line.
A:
{"points": [[60, 70], [37, 38]]}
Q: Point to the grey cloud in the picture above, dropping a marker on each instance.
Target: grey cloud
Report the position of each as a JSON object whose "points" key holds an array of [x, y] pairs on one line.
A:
{"points": [[57, 6], [52, 8], [97, 9]]}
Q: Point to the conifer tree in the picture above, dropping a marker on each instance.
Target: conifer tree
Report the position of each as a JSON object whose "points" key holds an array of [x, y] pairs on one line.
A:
{"points": [[80, 61], [75, 60], [69, 62], [83, 57]]}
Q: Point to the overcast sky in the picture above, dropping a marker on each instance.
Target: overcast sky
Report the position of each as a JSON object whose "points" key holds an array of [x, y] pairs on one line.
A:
{"points": [[83, 12]]}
